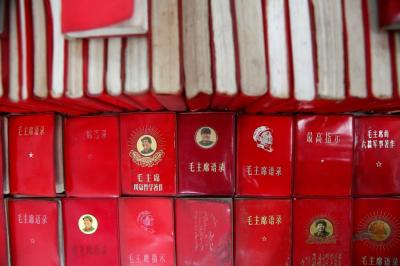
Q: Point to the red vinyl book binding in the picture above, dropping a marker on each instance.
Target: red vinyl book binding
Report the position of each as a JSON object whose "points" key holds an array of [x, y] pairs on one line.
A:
{"points": [[205, 152], [91, 142], [32, 153], [204, 232], [263, 232], [377, 155], [34, 232], [264, 155], [148, 155], [376, 231], [322, 232], [3, 235], [147, 231], [323, 155], [91, 231]]}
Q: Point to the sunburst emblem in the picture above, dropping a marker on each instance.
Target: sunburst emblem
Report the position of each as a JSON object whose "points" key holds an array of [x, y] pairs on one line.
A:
{"points": [[379, 230], [146, 146]]}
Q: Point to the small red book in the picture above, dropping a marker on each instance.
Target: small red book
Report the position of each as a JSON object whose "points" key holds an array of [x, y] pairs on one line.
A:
{"points": [[147, 231], [92, 156], [35, 154], [148, 155], [34, 233], [2, 156], [205, 152], [264, 155], [3, 236], [263, 232], [377, 155], [389, 14], [322, 231], [204, 231], [91, 231], [323, 155], [377, 231]]}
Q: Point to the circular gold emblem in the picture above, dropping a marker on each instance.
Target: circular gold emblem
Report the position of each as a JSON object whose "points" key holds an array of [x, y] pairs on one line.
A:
{"points": [[206, 137], [321, 228], [379, 230], [87, 224]]}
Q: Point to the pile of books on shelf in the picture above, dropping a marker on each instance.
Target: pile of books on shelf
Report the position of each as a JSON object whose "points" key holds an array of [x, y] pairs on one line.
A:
{"points": [[258, 56], [212, 188]]}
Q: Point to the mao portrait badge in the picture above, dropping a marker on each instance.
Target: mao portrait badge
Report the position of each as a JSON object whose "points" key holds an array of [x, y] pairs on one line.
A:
{"points": [[146, 147], [262, 136]]}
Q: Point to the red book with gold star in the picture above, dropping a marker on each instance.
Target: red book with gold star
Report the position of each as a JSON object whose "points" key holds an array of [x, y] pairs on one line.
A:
{"points": [[377, 231], [323, 155], [92, 156], [35, 232], [90, 231], [263, 232], [264, 155], [148, 155], [204, 231], [35, 154], [205, 152], [322, 231], [377, 155], [147, 231]]}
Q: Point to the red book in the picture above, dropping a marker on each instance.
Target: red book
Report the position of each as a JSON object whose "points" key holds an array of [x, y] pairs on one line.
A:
{"points": [[389, 14], [264, 155], [263, 232], [206, 160], [91, 142], [323, 155], [2, 156], [147, 231], [377, 231], [91, 231], [35, 152], [377, 155], [148, 155], [322, 232], [204, 232], [34, 232], [3, 236]]}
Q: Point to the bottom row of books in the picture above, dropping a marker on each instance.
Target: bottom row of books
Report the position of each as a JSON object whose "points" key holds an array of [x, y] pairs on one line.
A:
{"points": [[207, 231]]}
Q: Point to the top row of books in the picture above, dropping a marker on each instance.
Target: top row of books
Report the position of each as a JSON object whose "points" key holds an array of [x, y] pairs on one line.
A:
{"points": [[257, 56], [213, 154]]}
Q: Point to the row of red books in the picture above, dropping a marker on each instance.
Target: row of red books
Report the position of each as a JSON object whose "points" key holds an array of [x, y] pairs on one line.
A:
{"points": [[184, 231], [260, 56], [138, 154]]}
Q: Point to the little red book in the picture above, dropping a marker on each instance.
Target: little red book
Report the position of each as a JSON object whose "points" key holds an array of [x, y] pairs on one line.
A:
{"points": [[323, 155], [3, 235], [35, 154], [263, 232], [205, 152], [147, 231], [34, 232], [322, 231], [264, 155], [91, 231], [376, 231], [148, 153], [377, 155], [204, 231], [92, 156]]}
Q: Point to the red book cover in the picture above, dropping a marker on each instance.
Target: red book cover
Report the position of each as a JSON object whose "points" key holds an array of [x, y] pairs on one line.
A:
{"points": [[264, 155], [3, 235], [204, 232], [91, 142], [147, 231], [323, 155], [91, 231], [34, 232], [389, 14], [205, 152], [322, 232], [2, 155], [377, 231], [263, 232], [148, 153], [32, 154], [83, 15], [377, 155]]}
